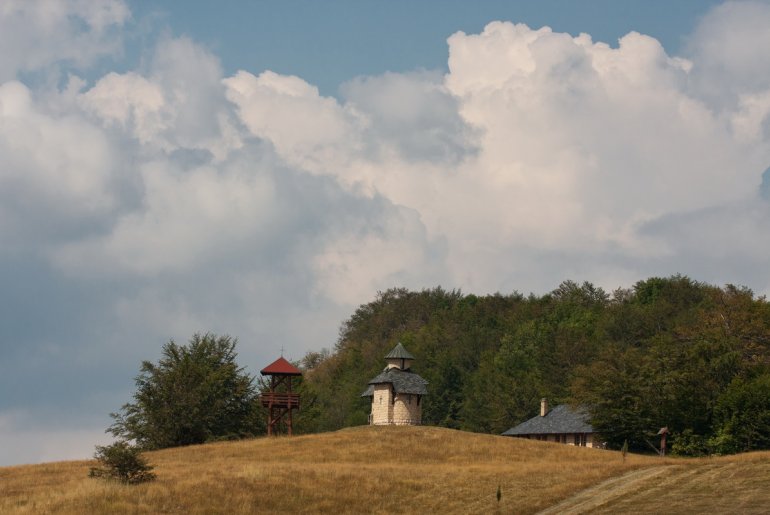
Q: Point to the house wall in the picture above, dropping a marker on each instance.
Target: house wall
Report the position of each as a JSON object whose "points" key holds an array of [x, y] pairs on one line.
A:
{"points": [[404, 411], [560, 438], [407, 410], [382, 407]]}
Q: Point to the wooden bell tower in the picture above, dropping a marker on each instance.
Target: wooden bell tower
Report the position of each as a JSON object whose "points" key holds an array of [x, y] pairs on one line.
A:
{"points": [[280, 401]]}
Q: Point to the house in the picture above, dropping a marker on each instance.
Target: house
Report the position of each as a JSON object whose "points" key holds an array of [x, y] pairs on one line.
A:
{"points": [[561, 424], [396, 394]]}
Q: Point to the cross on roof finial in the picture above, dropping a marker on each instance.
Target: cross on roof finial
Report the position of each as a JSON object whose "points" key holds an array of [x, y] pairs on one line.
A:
{"points": [[281, 350]]}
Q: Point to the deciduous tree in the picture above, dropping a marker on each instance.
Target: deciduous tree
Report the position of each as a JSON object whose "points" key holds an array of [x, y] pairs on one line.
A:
{"points": [[195, 393]]}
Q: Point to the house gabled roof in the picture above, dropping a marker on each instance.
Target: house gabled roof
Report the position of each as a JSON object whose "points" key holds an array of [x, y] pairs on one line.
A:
{"points": [[399, 352], [561, 419], [403, 381], [281, 367]]}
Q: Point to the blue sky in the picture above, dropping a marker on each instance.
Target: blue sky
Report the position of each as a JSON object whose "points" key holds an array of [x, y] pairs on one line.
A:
{"points": [[328, 43], [261, 169]]}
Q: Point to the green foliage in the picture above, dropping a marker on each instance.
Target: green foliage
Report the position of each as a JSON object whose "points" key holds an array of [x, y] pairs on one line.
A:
{"points": [[665, 352], [687, 443], [742, 416], [194, 394], [121, 462]]}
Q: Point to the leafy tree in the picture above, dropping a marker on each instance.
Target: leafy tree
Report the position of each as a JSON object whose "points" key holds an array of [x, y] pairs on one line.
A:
{"points": [[121, 462], [743, 416], [194, 394], [616, 390], [661, 353]]}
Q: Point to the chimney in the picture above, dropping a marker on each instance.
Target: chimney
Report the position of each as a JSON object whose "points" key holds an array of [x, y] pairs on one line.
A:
{"points": [[543, 407]]}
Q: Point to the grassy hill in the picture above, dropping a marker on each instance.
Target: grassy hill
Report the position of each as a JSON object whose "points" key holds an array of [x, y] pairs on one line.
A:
{"points": [[396, 469]]}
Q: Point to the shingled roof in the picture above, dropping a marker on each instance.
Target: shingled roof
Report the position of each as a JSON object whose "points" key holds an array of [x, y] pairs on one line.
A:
{"points": [[561, 419], [399, 352], [403, 381]]}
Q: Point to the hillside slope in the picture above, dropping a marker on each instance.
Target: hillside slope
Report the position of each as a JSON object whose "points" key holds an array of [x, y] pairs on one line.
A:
{"points": [[735, 484], [358, 470]]}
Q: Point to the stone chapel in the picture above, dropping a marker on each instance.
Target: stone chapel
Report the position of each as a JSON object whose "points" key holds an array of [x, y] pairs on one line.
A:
{"points": [[397, 392]]}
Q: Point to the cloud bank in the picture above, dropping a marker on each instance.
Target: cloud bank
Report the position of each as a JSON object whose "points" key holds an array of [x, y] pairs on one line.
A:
{"points": [[152, 203]]}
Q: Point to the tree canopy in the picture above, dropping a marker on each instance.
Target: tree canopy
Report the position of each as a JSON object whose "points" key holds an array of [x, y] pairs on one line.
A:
{"points": [[195, 393], [666, 352]]}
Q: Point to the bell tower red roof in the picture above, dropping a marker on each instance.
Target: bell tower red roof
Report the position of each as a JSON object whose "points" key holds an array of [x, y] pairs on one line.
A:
{"points": [[281, 367]]}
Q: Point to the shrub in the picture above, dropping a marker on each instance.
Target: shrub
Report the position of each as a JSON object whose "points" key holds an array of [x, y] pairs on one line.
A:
{"points": [[687, 443], [121, 462]]}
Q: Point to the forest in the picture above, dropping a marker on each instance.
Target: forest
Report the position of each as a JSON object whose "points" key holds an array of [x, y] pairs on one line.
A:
{"points": [[668, 351]]}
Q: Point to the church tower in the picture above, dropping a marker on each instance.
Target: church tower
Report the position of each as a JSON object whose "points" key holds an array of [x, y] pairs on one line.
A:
{"points": [[397, 392]]}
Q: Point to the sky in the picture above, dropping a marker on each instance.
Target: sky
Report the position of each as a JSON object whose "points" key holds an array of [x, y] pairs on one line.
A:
{"points": [[260, 169]]}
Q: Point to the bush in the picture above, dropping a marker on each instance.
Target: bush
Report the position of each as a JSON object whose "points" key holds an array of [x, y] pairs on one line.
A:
{"points": [[687, 443], [121, 462]]}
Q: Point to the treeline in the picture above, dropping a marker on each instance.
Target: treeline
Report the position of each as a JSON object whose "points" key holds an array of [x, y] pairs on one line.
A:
{"points": [[667, 352]]}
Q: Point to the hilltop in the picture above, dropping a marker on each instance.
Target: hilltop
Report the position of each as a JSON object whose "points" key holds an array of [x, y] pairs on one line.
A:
{"points": [[388, 470], [668, 352]]}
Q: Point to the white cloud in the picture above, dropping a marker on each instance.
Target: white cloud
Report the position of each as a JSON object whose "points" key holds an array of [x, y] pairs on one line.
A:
{"points": [[186, 217], [411, 117], [128, 99], [179, 104], [56, 172], [35, 34], [584, 141], [729, 49], [307, 130]]}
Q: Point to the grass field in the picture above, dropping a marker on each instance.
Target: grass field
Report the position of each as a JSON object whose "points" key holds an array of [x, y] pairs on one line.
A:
{"points": [[401, 470]]}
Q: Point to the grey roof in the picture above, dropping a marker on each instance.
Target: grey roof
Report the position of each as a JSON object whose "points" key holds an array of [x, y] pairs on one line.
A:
{"points": [[399, 352], [561, 419], [403, 381]]}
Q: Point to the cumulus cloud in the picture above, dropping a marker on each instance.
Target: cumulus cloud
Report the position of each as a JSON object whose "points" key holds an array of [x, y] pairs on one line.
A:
{"points": [[412, 116], [40, 33], [729, 51], [55, 173], [590, 142], [309, 131]]}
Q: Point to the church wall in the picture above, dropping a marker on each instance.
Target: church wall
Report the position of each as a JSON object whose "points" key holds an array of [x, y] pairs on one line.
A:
{"points": [[382, 407], [406, 410]]}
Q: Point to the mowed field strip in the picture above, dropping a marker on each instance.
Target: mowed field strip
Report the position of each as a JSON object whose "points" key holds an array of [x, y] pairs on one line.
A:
{"points": [[397, 470], [735, 484]]}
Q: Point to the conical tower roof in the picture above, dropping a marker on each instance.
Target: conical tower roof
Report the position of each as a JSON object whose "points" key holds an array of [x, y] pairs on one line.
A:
{"points": [[399, 352], [281, 367]]}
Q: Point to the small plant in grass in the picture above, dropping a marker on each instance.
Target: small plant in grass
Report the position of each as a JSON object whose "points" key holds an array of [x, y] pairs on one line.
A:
{"points": [[121, 462]]}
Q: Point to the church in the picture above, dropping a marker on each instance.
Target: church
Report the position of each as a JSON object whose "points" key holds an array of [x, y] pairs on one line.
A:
{"points": [[397, 392]]}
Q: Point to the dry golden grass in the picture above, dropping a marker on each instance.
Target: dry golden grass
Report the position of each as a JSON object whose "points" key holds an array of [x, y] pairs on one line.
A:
{"points": [[359, 470], [732, 484]]}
